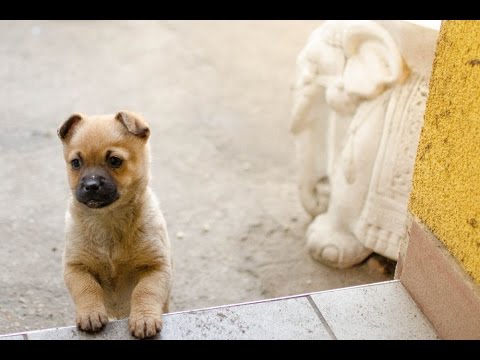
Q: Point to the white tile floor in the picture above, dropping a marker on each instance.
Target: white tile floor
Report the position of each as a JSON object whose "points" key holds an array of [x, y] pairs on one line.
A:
{"points": [[375, 311], [14, 337]]}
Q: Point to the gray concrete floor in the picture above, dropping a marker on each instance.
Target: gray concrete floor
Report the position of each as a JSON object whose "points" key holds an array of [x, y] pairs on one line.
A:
{"points": [[216, 95]]}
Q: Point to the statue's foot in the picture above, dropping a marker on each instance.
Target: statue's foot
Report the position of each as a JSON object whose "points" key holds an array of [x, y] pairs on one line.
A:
{"points": [[334, 247]]}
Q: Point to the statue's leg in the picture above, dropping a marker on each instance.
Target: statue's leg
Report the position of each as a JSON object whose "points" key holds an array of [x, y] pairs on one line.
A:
{"points": [[334, 246], [330, 238]]}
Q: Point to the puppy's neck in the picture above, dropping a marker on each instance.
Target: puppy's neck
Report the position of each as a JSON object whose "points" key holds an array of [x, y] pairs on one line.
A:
{"points": [[114, 221]]}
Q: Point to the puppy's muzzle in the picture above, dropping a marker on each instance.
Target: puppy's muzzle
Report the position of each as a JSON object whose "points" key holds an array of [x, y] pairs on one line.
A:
{"points": [[96, 191], [93, 183]]}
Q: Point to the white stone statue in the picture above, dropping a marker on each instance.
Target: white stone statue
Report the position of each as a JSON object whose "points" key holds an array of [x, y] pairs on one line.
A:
{"points": [[358, 102]]}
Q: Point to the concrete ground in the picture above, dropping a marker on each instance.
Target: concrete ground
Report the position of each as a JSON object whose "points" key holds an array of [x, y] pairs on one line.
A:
{"points": [[216, 95]]}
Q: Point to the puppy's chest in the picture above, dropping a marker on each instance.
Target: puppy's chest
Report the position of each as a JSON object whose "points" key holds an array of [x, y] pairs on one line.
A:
{"points": [[116, 265]]}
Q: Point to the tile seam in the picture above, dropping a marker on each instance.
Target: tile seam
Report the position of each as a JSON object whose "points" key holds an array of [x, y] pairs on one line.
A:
{"points": [[321, 318]]}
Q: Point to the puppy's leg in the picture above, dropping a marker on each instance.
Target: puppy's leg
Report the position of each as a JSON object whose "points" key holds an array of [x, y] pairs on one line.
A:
{"points": [[166, 307], [88, 297], [148, 301]]}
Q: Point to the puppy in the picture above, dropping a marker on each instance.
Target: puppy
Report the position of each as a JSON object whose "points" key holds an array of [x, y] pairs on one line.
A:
{"points": [[117, 260]]}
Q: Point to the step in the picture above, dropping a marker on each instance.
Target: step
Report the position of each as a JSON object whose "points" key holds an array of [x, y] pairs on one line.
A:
{"points": [[374, 311]]}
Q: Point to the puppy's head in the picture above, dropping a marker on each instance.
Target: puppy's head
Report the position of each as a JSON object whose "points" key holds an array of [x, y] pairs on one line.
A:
{"points": [[107, 157]]}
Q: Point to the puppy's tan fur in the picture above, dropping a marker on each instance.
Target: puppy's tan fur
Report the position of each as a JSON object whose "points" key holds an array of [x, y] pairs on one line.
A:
{"points": [[117, 260]]}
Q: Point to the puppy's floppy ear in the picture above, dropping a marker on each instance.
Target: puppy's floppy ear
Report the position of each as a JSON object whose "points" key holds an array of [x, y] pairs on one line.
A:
{"points": [[66, 129], [134, 123]]}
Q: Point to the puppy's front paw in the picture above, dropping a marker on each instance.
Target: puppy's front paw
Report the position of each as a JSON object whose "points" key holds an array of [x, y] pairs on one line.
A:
{"points": [[144, 326], [92, 321]]}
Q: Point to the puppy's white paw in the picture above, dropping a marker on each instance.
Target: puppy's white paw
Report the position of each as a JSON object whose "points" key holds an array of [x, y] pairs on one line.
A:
{"points": [[92, 321], [144, 326]]}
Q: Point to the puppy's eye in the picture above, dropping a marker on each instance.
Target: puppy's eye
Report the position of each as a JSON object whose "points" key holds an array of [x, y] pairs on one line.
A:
{"points": [[114, 162], [76, 164]]}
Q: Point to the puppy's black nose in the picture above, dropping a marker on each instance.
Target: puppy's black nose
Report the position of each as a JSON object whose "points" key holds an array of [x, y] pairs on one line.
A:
{"points": [[93, 183]]}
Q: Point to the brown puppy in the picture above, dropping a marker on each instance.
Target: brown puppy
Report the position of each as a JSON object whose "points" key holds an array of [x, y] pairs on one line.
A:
{"points": [[117, 259]]}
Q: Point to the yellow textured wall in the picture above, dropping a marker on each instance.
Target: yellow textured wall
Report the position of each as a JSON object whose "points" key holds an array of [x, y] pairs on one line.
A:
{"points": [[446, 183]]}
